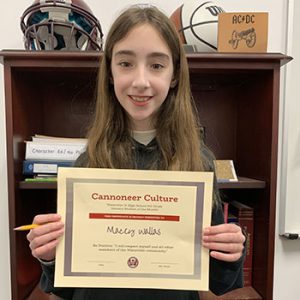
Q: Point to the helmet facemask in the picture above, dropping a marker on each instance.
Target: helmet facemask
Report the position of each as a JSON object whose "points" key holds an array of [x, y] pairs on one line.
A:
{"points": [[51, 25]]}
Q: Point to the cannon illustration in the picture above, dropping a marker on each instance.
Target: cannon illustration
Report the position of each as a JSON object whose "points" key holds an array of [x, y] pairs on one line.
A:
{"points": [[248, 35]]}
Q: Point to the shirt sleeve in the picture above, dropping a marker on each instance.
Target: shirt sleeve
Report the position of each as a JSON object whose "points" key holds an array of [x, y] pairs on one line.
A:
{"points": [[46, 263], [47, 283]]}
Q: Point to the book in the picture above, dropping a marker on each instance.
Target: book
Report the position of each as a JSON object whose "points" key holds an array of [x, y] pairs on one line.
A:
{"points": [[225, 170], [225, 211], [53, 150], [41, 179], [53, 139], [33, 167], [244, 217], [232, 219]]}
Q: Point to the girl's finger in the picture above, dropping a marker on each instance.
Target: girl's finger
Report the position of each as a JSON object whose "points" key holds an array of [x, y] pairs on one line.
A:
{"points": [[45, 239], [222, 228], [45, 251], [229, 257], [235, 237], [44, 229], [225, 247], [47, 218]]}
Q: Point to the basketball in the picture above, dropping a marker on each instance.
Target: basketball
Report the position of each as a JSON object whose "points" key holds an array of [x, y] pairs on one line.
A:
{"points": [[197, 24]]}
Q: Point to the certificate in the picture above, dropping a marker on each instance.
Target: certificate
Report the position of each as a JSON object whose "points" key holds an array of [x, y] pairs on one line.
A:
{"points": [[133, 228]]}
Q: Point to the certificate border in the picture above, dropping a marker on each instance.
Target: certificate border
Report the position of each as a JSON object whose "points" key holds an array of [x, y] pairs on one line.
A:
{"points": [[69, 227]]}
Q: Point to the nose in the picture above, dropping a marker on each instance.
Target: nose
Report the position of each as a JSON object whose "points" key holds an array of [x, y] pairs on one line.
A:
{"points": [[141, 78]]}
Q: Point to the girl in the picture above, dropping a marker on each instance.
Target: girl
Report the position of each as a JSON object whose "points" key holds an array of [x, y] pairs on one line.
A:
{"points": [[145, 118]]}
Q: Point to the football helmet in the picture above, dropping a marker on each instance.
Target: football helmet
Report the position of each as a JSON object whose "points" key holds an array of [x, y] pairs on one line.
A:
{"points": [[61, 25]]}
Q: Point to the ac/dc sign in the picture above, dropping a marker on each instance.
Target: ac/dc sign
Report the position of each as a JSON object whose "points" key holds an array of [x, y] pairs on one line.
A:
{"points": [[243, 32], [242, 18]]}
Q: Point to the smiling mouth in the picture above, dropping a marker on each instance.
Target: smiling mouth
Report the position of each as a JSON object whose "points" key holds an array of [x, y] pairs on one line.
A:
{"points": [[140, 99]]}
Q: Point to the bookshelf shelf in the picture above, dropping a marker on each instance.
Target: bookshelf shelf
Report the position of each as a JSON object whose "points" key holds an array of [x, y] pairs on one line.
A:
{"points": [[243, 183], [38, 185], [237, 96]]}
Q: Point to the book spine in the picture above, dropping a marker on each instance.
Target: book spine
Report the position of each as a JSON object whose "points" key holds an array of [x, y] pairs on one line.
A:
{"points": [[48, 151], [247, 276], [49, 179], [33, 167], [244, 215], [247, 225], [225, 211]]}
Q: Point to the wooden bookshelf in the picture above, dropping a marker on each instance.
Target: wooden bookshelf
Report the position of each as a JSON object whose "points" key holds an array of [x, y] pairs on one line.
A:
{"points": [[237, 96]]}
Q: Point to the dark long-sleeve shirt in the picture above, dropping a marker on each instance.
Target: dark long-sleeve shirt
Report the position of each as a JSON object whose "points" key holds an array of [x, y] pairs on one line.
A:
{"points": [[223, 276]]}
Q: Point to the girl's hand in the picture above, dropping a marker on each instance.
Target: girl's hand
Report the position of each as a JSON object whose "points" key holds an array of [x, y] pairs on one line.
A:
{"points": [[226, 241], [44, 239]]}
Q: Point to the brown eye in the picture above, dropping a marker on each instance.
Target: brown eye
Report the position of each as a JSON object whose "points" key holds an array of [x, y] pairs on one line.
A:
{"points": [[157, 66], [125, 64]]}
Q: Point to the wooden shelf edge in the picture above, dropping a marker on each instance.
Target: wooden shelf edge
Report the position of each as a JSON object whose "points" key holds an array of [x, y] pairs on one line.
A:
{"points": [[245, 293], [41, 185], [193, 58], [242, 183]]}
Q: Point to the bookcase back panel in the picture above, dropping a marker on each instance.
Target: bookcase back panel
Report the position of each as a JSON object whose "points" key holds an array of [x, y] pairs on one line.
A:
{"points": [[238, 116], [256, 127], [218, 116], [62, 105]]}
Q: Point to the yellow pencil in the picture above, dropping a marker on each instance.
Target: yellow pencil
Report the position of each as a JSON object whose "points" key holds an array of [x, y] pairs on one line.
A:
{"points": [[26, 227]]}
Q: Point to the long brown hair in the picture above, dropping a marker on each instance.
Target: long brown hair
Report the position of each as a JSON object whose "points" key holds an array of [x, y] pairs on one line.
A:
{"points": [[177, 126]]}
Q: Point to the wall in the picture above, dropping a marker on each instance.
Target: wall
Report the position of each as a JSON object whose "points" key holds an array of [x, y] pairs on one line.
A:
{"points": [[287, 258], [11, 38]]}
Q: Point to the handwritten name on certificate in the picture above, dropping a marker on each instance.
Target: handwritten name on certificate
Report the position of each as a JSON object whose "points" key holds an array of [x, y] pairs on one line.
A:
{"points": [[133, 228]]}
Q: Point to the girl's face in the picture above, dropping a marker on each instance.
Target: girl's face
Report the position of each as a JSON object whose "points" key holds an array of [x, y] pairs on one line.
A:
{"points": [[142, 71]]}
